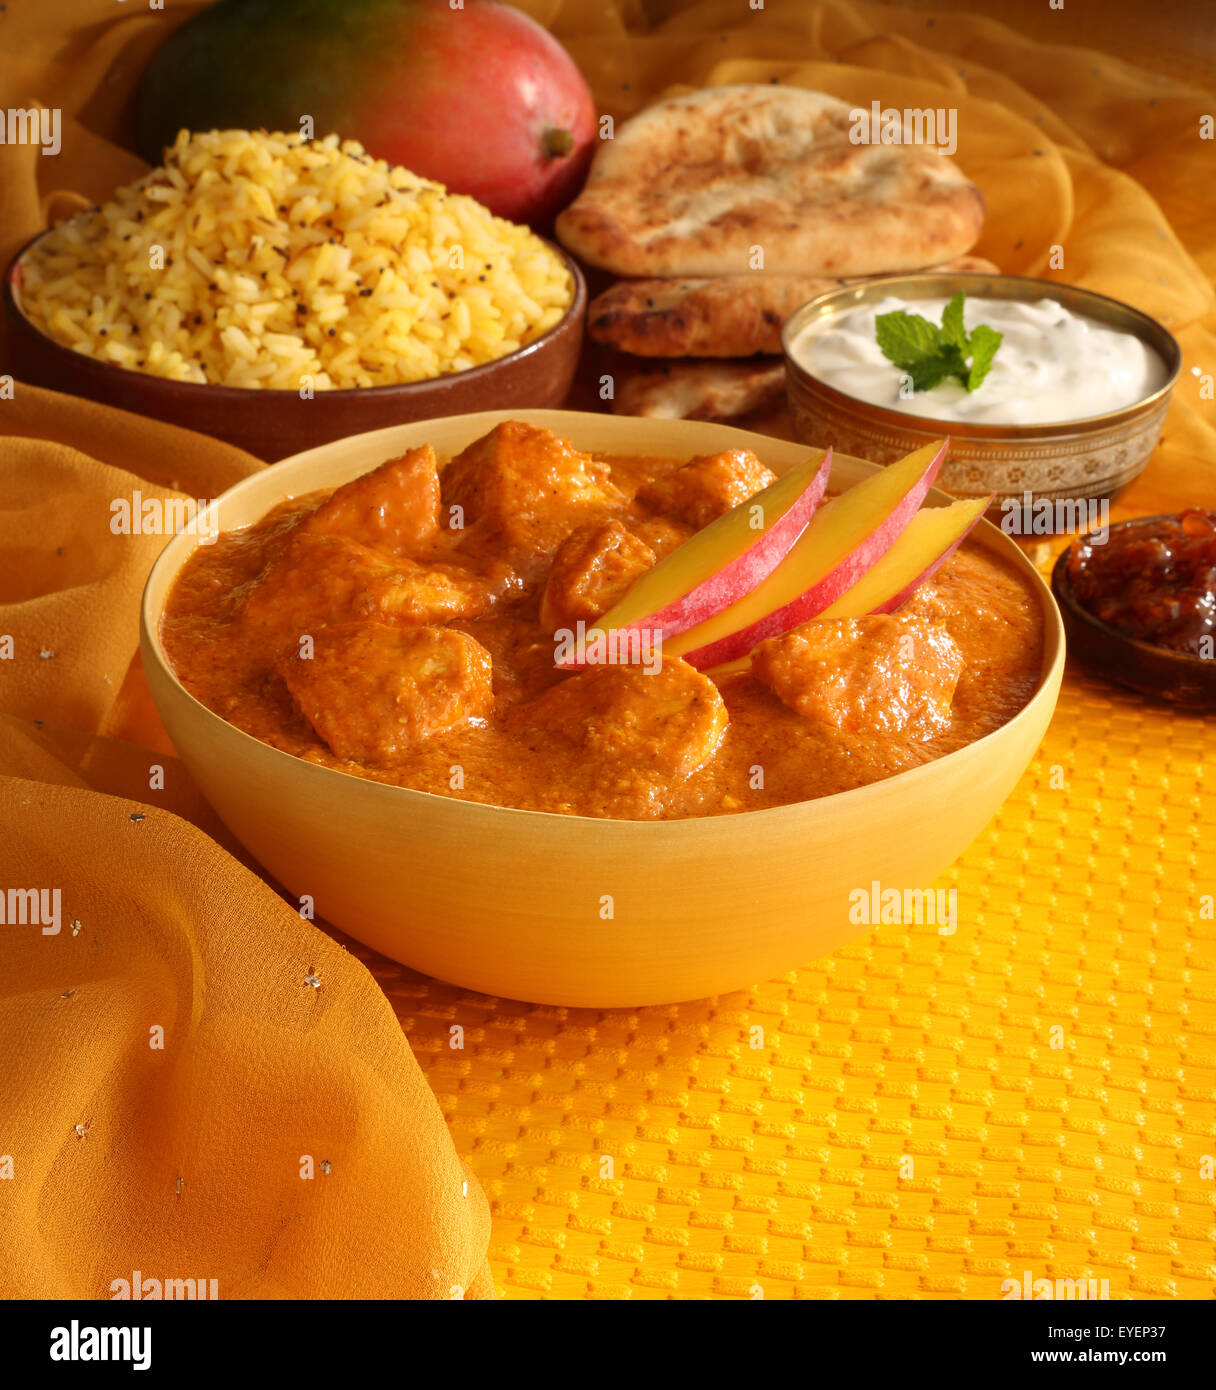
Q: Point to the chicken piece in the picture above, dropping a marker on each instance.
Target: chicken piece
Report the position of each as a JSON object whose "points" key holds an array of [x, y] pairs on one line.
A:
{"points": [[593, 567], [394, 507], [661, 535], [372, 691], [526, 487], [667, 722], [323, 579], [708, 487], [877, 675]]}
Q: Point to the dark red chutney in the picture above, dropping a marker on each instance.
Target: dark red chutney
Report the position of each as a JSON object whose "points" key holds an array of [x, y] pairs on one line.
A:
{"points": [[1154, 580]]}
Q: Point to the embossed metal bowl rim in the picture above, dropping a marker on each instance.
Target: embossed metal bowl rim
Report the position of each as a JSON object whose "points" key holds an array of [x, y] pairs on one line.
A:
{"points": [[1061, 587], [1114, 313]]}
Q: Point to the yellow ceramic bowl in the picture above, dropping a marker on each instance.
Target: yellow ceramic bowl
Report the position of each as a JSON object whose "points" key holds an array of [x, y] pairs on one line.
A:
{"points": [[568, 909]]}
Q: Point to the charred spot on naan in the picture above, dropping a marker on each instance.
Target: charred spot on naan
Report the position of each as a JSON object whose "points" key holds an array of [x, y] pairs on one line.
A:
{"points": [[723, 316], [717, 316], [691, 186], [713, 389]]}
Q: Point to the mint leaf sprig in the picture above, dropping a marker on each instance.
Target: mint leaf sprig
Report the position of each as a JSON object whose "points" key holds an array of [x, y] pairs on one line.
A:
{"points": [[929, 354]]}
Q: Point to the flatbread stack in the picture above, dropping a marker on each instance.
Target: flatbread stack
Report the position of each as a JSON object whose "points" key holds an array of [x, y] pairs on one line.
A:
{"points": [[729, 207]]}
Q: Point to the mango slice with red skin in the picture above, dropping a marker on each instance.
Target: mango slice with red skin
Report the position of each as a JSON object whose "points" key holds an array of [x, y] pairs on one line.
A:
{"points": [[844, 539], [720, 564], [931, 537]]}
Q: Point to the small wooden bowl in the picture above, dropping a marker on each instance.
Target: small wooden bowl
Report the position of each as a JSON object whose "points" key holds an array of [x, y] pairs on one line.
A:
{"points": [[1180, 679], [511, 902], [273, 424]]}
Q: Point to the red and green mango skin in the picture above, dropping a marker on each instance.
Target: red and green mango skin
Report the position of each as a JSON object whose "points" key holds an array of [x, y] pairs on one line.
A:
{"points": [[464, 96]]}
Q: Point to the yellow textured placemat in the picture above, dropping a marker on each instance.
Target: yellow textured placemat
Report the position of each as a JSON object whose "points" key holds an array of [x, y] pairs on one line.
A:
{"points": [[916, 1116]]}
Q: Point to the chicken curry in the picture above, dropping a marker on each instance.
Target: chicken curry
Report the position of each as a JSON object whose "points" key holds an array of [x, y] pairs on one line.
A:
{"points": [[402, 628]]}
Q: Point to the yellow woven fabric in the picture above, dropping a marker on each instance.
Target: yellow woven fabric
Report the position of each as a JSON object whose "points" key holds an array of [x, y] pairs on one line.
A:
{"points": [[918, 1115]]}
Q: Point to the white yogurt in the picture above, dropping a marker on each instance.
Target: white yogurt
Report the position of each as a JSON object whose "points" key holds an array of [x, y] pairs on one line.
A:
{"points": [[1052, 365]]}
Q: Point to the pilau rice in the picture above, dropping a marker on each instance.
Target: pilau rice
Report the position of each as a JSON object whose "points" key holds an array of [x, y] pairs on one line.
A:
{"points": [[266, 260]]}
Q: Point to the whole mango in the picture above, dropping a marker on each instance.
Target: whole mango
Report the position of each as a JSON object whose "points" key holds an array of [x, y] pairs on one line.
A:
{"points": [[474, 95]]}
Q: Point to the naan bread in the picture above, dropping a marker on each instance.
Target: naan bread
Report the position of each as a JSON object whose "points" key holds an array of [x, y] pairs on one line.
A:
{"points": [[726, 316], [702, 390], [693, 185]]}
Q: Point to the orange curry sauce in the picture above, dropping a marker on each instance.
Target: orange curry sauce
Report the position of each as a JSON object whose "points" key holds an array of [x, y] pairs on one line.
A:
{"points": [[402, 629]]}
